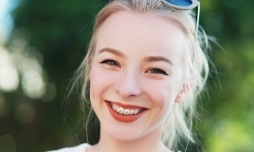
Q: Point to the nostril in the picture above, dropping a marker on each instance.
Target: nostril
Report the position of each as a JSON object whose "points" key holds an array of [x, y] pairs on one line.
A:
{"points": [[127, 90]]}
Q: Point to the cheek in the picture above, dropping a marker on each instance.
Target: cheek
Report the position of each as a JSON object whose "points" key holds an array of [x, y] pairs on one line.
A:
{"points": [[95, 82], [100, 80], [162, 94]]}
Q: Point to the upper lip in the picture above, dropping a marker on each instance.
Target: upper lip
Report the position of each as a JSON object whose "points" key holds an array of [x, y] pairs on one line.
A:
{"points": [[127, 106]]}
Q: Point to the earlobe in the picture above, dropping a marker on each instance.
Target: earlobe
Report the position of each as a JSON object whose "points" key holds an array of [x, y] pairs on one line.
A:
{"points": [[185, 91], [182, 94], [180, 97]]}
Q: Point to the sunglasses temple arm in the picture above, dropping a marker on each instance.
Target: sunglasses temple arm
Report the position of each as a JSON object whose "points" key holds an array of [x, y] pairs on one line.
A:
{"points": [[197, 22]]}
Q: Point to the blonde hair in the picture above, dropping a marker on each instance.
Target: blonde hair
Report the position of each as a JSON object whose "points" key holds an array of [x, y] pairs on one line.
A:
{"points": [[179, 121]]}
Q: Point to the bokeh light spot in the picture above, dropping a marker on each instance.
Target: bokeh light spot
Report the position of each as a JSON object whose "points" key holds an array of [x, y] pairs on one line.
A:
{"points": [[9, 79], [33, 84]]}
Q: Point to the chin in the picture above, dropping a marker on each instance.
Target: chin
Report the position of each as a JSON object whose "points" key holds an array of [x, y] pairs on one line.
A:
{"points": [[124, 135]]}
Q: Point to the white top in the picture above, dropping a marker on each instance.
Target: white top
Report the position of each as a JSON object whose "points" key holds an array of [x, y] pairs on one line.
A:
{"points": [[79, 148]]}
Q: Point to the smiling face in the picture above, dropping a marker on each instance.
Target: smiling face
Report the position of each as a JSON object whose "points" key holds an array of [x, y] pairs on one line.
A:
{"points": [[136, 74]]}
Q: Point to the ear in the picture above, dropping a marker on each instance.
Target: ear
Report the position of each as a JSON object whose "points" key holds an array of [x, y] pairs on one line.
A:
{"points": [[181, 96], [186, 90]]}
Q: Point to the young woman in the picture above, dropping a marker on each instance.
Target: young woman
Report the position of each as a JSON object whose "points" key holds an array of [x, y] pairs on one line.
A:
{"points": [[143, 70]]}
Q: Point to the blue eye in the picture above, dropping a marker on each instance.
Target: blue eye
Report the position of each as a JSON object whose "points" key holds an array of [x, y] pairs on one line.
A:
{"points": [[110, 62], [157, 71]]}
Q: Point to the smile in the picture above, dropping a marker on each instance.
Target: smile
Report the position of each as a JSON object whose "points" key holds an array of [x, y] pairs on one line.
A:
{"points": [[125, 113]]}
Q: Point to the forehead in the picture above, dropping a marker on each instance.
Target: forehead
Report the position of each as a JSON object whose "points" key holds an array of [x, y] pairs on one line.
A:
{"points": [[136, 31]]}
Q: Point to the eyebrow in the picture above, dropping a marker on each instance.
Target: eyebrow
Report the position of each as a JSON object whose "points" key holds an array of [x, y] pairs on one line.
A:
{"points": [[147, 59], [113, 51], [158, 58]]}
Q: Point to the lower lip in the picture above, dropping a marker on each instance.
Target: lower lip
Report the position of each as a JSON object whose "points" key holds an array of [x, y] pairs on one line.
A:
{"points": [[123, 118]]}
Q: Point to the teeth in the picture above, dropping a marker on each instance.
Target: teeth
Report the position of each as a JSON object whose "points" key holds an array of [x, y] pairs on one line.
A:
{"points": [[123, 111]]}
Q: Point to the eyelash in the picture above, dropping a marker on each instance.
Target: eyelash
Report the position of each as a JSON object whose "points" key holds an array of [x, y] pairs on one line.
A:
{"points": [[110, 62], [157, 71]]}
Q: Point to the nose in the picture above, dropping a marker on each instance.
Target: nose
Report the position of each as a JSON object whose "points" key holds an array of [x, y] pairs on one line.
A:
{"points": [[128, 85]]}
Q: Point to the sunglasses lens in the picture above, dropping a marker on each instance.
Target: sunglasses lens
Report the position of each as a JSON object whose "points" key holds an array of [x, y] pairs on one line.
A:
{"points": [[180, 2]]}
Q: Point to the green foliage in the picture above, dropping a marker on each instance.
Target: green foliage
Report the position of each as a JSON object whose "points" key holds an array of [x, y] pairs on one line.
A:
{"points": [[227, 125]]}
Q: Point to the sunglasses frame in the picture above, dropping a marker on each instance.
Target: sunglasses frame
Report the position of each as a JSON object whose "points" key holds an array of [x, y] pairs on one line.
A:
{"points": [[194, 4]]}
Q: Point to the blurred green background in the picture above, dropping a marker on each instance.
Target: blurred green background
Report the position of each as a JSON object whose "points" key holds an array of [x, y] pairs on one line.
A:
{"points": [[49, 40]]}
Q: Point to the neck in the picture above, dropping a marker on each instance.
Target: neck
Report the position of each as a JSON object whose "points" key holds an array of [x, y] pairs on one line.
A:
{"points": [[148, 143]]}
